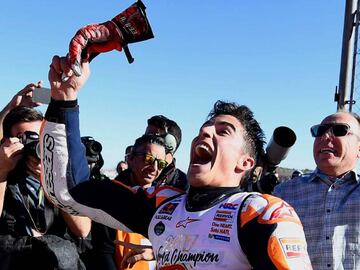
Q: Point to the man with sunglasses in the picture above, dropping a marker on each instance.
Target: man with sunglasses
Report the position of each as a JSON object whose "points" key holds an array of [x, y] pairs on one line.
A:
{"points": [[214, 225], [171, 132], [146, 161], [327, 200]]}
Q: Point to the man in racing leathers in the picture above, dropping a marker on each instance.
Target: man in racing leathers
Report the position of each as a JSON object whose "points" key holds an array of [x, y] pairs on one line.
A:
{"points": [[214, 225]]}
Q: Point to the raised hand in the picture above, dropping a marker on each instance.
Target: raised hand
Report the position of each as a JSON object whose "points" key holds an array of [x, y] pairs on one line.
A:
{"points": [[66, 90], [24, 96]]}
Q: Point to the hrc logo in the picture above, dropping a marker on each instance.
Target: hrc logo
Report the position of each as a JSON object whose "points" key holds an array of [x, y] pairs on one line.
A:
{"points": [[229, 206]]}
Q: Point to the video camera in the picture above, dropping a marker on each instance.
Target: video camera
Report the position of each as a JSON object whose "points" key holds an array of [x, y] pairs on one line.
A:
{"points": [[264, 177]]}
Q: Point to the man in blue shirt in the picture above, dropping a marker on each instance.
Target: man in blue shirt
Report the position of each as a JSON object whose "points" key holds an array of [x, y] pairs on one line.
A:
{"points": [[327, 200]]}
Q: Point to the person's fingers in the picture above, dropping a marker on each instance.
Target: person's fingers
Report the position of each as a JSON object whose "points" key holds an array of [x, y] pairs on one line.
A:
{"points": [[13, 145], [124, 263], [134, 259], [65, 67], [39, 84], [12, 151], [55, 64], [56, 70], [136, 255], [131, 246]]}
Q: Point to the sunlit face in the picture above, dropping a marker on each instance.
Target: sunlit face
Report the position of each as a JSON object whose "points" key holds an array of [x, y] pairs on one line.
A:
{"points": [[20, 128], [144, 174], [336, 155], [218, 156]]}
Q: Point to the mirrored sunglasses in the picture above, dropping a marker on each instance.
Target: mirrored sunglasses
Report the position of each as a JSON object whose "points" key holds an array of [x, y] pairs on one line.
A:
{"points": [[149, 159]]}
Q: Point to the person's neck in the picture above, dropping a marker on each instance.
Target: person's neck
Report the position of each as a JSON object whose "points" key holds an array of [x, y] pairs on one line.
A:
{"points": [[200, 198], [169, 158], [335, 173]]}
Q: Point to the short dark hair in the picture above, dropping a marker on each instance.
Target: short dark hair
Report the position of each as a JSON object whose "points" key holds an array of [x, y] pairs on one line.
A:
{"points": [[254, 136], [128, 149], [168, 125], [148, 139], [17, 115]]}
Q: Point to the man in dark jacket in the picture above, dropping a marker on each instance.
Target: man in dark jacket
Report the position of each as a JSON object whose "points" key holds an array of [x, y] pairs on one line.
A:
{"points": [[171, 132]]}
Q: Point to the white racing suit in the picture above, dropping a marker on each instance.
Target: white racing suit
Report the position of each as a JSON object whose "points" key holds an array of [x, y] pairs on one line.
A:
{"points": [[218, 228]]}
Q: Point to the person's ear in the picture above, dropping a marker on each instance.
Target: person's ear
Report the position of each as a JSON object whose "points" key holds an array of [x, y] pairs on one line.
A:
{"points": [[244, 163]]}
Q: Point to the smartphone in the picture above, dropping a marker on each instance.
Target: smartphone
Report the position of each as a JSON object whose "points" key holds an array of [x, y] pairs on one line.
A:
{"points": [[41, 95]]}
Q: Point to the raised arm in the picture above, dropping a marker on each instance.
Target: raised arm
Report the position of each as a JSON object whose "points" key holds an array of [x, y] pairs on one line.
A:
{"points": [[65, 174]]}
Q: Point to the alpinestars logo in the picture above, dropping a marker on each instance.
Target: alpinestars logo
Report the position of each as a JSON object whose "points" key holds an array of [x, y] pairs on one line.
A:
{"points": [[184, 223]]}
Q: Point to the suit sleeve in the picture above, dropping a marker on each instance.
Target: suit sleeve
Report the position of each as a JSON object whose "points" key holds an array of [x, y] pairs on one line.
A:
{"points": [[271, 234], [65, 176]]}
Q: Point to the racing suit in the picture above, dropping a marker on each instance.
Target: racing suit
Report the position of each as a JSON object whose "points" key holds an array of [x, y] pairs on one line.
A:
{"points": [[206, 228]]}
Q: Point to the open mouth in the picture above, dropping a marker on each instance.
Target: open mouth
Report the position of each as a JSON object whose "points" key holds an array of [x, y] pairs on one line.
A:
{"points": [[327, 151], [202, 154]]}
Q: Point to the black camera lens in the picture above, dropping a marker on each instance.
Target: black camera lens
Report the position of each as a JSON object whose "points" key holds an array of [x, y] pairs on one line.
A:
{"points": [[95, 147], [30, 140]]}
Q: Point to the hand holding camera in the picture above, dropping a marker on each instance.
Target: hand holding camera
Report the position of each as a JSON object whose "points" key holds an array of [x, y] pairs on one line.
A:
{"points": [[20, 154], [24, 97], [11, 152]]}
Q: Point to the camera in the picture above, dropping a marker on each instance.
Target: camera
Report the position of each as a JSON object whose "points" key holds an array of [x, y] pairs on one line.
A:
{"points": [[30, 140], [264, 177], [93, 148], [94, 158], [280, 143]]}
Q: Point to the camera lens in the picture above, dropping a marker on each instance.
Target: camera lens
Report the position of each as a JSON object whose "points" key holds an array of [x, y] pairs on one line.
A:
{"points": [[95, 148]]}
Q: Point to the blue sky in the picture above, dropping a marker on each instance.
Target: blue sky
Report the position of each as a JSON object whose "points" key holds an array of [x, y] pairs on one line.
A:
{"points": [[280, 58]]}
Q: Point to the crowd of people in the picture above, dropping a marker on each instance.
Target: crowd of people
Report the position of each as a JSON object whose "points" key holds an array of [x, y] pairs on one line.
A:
{"points": [[59, 211]]}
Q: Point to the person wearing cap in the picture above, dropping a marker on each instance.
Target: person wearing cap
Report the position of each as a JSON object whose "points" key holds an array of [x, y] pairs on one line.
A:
{"points": [[327, 200], [171, 132]]}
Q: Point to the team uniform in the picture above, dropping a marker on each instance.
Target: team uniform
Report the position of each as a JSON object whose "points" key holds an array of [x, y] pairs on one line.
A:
{"points": [[206, 228]]}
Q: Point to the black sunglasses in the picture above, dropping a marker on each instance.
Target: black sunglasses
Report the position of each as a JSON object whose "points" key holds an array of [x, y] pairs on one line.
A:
{"points": [[338, 129]]}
